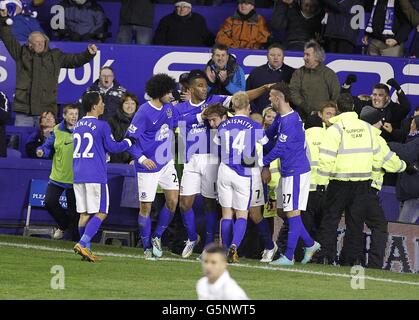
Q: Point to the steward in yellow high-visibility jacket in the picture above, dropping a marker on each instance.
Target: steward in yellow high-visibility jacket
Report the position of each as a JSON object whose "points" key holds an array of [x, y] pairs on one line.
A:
{"points": [[348, 152], [375, 219]]}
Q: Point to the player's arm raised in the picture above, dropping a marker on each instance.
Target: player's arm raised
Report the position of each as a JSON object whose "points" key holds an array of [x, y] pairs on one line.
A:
{"points": [[256, 93]]}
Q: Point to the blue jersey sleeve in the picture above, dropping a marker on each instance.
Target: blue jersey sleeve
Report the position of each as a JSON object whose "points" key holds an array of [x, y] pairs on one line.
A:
{"points": [[48, 146], [284, 135], [110, 144], [136, 130]]}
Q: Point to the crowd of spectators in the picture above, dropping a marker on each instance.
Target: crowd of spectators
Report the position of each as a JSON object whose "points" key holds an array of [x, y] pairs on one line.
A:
{"points": [[336, 25]]}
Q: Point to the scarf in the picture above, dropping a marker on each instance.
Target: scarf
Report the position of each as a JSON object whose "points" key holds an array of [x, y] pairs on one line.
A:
{"points": [[388, 23]]}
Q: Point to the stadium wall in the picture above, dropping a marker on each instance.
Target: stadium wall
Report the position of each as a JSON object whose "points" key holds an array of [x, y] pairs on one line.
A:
{"points": [[134, 64], [402, 252]]}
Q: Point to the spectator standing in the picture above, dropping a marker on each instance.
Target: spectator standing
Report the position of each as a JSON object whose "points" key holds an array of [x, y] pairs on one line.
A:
{"points": [[387, 29], [224, 74], [301, 21], [59, 146], [183, 28], [85, 20], [244, 29], [275, 70], [120, 122], [110, 90], [407, 187], [4, 118], [136, 22], [314, 83], [340, 34], [47, 122], [37, 71], [411, 9]]}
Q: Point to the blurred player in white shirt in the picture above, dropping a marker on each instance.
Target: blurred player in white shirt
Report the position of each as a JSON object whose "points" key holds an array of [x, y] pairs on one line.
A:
{"points": [[217, 283]]}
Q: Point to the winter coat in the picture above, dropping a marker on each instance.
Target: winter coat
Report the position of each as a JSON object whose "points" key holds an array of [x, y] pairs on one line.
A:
{"points": [[174, 30], [119, 124], [250, 32], [111, 97], [235, 78], [137, 12], [37, 74], [407, 186]]}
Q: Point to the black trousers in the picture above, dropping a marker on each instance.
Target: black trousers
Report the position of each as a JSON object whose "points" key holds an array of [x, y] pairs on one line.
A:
{"points": [[376, 222], [335, 45], [66, 219], [350, 197]]}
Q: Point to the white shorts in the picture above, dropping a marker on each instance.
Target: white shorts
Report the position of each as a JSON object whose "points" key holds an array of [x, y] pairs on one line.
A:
{"points": [[200, 176], [233, 189], [148, 182], [258, 197], [293, 191], [91, 198]]}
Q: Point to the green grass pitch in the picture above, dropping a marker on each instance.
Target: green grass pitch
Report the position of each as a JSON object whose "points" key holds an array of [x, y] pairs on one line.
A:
{"points": [[122, 273]]}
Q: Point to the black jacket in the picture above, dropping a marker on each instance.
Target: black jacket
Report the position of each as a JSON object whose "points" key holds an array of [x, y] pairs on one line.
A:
{"points": [[137, 12], [119, 124], [339, 21], [4, 117], [174, 30], [297, 27], [263, 75], [111, 98], [407, 186], [401, 26]]}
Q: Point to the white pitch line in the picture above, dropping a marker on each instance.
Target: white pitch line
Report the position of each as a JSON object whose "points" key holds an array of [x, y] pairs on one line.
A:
{"points": [[239, 265]]}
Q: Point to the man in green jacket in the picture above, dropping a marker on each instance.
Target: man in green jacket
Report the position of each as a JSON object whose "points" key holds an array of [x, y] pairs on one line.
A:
{"points": [[37, 71], [60, 144], [314, 83]]}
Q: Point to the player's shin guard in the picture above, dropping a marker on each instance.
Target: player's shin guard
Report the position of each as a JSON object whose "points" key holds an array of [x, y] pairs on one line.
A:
{"points": [[210, 226], [144, 224], [91, 229], [165, 218], [295, 225], [265, 233], [226, 232], [239, 230], [188, 218]]}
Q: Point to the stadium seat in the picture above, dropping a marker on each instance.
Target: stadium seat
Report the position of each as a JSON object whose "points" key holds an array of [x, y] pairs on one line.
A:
{"points": [[38, 187]]}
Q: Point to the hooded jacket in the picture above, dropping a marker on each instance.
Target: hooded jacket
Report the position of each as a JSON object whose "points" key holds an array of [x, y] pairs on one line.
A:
{"points": [[37, 74], [247, 32]]}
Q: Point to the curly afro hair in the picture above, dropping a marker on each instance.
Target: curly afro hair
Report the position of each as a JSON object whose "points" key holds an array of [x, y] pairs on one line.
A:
{"points": [[159, 85]]}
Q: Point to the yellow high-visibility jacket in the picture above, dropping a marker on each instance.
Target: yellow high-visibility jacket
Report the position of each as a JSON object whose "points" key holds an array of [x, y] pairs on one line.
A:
{"points": [[349, 150], [274, 167], [390, 162], [314, 137]]}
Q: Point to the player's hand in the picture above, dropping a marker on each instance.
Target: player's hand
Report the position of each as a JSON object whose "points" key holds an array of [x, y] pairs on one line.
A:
{"points": [[388, 127], [365, 40], [39, 153], [210, 74], [391, 42], [149, 164], [222, 75], [92, 49], [271, 205], [185, 95], [288, 2], [131, 162], [268, 86], [266, 175]]}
